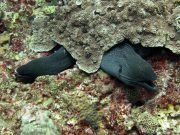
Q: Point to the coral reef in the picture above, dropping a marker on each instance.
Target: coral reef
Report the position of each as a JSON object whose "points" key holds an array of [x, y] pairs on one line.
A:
{"points": [[161, 122], [144, 121], [92, 27], [88, 104], [74, 102]]}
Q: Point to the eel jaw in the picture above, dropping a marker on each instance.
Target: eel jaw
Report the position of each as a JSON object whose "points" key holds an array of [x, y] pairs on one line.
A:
{"points": [[149, 85], [24, 79]]}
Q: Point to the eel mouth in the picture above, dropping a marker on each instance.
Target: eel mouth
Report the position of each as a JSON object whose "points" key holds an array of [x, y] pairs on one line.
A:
{"points": [[149, 85], [24, 79]]}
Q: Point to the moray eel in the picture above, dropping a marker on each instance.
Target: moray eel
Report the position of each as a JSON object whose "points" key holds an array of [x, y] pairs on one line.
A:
{"points": [[48, 65], [123, 63]]}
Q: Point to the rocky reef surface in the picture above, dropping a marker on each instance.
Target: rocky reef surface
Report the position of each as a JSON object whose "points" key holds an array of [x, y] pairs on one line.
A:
{"points": [[77, 103], [88, 28]]}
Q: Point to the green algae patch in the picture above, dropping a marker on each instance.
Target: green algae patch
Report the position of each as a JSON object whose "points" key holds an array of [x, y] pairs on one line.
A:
{"points": [[143, 120], [43, 8], [168, 119], [4, 37], [82, 106], [46, 10], [37, 121], [161, 122], [2, 123]]}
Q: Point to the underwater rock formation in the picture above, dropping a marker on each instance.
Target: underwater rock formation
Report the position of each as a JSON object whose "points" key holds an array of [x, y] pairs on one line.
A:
{"points": [[37, 121], [88, 28]]}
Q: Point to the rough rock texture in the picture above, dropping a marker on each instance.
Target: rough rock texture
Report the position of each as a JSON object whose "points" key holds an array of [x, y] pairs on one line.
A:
{"points": [[144, 121], [87, 28], [41, 38], [36, 121]]}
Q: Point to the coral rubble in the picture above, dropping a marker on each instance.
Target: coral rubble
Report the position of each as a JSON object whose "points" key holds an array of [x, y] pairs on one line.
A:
{"points": [[36, 121]]}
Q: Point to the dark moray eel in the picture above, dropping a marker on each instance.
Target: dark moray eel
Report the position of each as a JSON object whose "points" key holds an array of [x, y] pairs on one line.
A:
{"points": [[53, 64], [121, 62]]}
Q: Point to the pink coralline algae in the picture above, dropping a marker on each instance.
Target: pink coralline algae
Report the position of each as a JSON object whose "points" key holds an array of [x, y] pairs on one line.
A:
{"points": [[18, 4], [17, 44]]}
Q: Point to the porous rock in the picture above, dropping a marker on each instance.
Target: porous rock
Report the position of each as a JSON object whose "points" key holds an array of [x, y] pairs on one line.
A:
{"points": [[37, 121], [41, 38], [88, 28]]}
